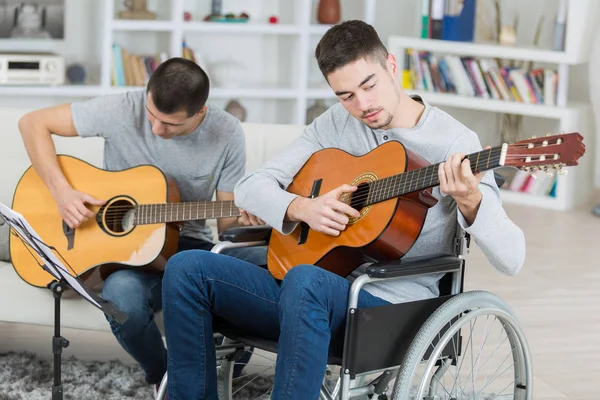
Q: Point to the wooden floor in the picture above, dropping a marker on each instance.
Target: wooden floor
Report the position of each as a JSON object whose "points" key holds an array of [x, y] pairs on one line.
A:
{"points": [[556, 297]]}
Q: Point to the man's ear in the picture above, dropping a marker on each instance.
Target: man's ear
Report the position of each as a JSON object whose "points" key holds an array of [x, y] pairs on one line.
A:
{"points": [[391, 64]]}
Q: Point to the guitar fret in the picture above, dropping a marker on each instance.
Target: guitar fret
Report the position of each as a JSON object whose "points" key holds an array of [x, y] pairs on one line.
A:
{"points": [[402, 178], [431, 173], [388, 188]]}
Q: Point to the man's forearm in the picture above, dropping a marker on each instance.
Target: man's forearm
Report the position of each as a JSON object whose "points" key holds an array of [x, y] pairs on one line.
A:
{"points": [[42, 153]]}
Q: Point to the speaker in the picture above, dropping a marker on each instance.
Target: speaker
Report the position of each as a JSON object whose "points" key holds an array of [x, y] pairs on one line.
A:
{"points": [[76, 73]]}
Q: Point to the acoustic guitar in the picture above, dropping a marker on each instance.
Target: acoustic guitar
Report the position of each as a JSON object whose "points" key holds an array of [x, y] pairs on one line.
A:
{"points": [[138, 226], [393, 197]]}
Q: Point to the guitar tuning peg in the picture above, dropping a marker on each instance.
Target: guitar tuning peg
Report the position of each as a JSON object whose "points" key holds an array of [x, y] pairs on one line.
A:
{"points": [[548, 134], [561, 171]]}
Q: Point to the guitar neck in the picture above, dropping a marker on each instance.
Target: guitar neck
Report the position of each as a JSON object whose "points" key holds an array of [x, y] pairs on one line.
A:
{"points": [[188, 211], [424, 178]]}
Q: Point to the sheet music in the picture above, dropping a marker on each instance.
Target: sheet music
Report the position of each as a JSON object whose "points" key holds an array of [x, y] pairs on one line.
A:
{"points": [[33, 240]]}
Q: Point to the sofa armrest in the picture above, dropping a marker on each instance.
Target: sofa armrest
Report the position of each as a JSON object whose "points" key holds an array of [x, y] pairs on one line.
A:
{"points": [[415, 266], [241, 234]]}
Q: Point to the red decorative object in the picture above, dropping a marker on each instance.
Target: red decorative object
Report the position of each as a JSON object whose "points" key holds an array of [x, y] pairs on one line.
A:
{"points": [[273, 19], [187, 16]]}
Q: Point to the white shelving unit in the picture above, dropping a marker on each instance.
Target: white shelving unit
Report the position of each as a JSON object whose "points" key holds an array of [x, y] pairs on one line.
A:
{"points": [[295, 33], [572, 189]]}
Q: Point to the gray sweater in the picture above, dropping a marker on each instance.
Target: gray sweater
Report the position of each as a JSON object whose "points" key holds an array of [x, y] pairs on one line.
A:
{"points": [[435, 137]]}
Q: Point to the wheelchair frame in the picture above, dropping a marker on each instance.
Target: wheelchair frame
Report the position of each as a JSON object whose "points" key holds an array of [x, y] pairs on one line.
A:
{"points": [[360, 357]]}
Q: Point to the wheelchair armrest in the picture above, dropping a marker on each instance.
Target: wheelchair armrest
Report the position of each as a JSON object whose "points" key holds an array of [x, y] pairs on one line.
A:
{"points": [[415, 266], [241, 234]]}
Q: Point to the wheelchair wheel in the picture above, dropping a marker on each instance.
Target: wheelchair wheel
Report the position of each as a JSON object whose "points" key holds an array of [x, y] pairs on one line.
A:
{"points": [[471, 347], [243, 371]]}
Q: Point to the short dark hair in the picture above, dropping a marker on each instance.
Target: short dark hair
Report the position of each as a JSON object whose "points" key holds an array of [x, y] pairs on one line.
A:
{"points": [[347, 42], [179, 84]]}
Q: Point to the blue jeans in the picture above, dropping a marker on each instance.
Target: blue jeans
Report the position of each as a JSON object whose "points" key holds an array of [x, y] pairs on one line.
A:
{"points": [[305, 313], [138, 294]]}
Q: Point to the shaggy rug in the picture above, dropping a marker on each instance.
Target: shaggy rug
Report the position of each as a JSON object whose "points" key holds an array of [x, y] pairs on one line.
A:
{"points": [[24, 376]]}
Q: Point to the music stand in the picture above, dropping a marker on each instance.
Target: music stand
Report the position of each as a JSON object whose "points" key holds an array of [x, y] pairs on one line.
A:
{"points": [[63, 278]]}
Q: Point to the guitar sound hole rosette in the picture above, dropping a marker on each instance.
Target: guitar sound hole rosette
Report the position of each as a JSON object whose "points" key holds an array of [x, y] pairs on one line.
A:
{"points": [[359, 197]]}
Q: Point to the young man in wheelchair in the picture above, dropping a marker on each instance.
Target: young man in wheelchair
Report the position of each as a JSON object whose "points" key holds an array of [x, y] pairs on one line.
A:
{"points": [[306, 311]]}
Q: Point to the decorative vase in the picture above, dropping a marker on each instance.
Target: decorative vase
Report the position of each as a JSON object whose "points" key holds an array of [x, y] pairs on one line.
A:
{"points": [[329, 12]]}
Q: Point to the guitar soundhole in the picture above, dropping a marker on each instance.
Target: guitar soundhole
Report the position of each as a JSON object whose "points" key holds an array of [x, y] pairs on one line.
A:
{"points": [[359, 198], [117, 217]]}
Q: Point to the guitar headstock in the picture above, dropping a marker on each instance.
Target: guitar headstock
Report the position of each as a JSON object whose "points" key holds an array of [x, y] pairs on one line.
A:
{"points": [[546, 152]]}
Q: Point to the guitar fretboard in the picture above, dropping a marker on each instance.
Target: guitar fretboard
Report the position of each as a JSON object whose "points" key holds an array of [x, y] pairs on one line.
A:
{"points": [[422, 178], [176, 212]]}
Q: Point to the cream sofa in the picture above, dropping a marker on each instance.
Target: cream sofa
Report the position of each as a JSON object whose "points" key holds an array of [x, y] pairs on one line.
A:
{"points": [[23, 303]]}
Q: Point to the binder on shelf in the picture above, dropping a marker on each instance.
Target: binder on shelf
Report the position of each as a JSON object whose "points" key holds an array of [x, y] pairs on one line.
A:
{"points": [[459, 21], [424, 19], [436, 19]]}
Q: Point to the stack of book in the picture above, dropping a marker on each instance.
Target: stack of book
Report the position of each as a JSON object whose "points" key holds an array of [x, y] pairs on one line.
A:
{"points": [[448, 19], [538, 183], [484, 77], [134, 70]]}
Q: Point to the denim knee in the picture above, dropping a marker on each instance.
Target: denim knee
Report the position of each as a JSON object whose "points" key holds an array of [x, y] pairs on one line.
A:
{"points": [[126, 290], [302, 281], [182, 263]]}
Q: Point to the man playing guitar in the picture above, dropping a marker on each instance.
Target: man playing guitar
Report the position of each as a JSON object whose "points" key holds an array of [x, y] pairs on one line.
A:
{"points": [[305, 311], [168, 125]]}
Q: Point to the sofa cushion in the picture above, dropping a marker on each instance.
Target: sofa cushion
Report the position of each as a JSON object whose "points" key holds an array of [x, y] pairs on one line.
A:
{"points": [[33, 305]]}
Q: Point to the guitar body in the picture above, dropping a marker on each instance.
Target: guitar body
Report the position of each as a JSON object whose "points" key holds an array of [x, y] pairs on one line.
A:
{"points": [[385, 231], [97, 247]]}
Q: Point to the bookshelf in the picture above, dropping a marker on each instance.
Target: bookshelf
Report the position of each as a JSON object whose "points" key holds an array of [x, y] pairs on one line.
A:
{"points": [[279, 55], [282, 78], [565, 115]]}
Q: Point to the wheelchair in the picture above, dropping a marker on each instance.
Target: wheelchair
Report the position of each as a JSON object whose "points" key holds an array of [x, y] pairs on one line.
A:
{"points": [[426, 349]]}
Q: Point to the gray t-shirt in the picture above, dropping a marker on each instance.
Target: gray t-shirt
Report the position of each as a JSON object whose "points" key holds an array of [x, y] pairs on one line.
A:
{"points": [[435, 137], [212, 157]]}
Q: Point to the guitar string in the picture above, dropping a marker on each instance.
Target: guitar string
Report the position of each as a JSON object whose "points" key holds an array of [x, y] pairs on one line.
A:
{"points": [[389, 187], [373, 193], [204, 206], [209, 204], [409, 180], [149, 214], [175, 208]]}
